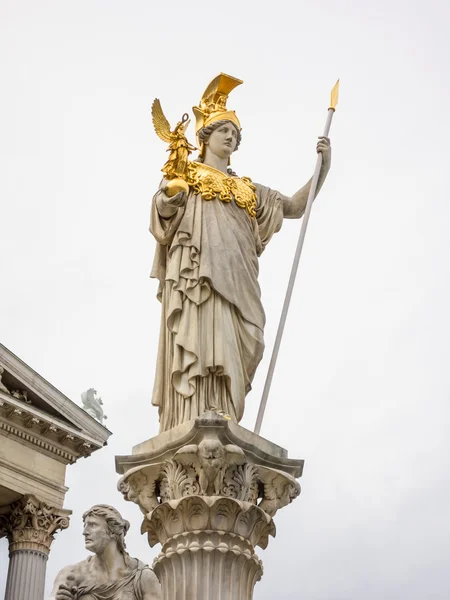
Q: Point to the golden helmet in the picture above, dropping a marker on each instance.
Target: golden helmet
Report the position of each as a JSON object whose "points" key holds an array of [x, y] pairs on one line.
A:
{"points": [[213, 103]]}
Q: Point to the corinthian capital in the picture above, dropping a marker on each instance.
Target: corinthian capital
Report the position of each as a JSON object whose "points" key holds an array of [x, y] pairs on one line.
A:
{"points": [[30, 524]]}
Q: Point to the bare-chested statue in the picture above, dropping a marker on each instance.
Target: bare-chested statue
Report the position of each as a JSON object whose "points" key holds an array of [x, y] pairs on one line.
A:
{"points": [[111, 574]]}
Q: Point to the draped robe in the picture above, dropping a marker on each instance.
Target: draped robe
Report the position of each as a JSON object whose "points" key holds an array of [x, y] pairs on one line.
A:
{"points": [[127, 587], [212, 319]]}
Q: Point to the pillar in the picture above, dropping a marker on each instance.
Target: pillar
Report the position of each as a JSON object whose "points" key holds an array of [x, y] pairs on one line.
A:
{"points": [[30, 526], [209, 490], [208, 547]]}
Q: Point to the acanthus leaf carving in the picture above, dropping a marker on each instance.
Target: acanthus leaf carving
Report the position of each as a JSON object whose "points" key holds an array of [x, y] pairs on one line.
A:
{"points": [[241, 483], [177, 481], [201, 513], [210, 469], [31, 524]]}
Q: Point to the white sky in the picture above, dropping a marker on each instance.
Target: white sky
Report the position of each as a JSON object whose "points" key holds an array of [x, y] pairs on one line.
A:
{"points": [[361, 391]]}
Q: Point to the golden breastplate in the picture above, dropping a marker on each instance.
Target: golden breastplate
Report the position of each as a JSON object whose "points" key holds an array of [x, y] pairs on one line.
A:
{"points": [[211, 183]]}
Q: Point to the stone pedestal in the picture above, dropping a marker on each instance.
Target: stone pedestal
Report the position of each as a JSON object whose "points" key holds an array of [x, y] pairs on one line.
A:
{"points": [[29, 525], [208, 490]]}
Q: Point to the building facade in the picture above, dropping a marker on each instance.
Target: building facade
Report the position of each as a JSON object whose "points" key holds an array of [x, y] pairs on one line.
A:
{"points": [[41, 432]]}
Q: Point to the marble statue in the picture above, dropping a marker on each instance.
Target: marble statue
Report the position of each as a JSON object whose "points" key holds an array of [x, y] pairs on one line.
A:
{"points": [[92, 404], [21, 395], [110, 574], [211, 226], [3, 387]]}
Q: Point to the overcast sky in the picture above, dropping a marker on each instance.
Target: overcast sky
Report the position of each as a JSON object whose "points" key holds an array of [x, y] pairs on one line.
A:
{"points": [[362, 388]]}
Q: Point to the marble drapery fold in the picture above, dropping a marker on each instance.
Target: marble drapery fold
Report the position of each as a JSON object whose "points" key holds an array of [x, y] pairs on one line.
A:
{"points": [[211, 337], [127, 588]]}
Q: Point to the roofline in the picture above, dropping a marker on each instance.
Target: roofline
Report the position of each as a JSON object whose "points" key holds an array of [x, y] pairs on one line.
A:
{"points": [[57, 399]]}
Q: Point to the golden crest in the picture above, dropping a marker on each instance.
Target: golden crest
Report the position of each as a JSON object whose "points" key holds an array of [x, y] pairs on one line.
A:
{"points": [[213, 103]]}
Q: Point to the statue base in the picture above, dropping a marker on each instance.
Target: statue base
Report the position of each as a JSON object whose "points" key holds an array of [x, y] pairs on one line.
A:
{"points": [[208, 490]]}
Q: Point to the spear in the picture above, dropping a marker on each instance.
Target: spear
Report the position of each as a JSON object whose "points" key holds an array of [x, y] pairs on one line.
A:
{"points": [[298, 251]]}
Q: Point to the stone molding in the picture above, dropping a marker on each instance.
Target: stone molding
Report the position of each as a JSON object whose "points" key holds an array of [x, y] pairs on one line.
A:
{"points": [[211, 466], [30, 524], [208, 547], [211, 514], [28, 475], [32, 381], [35, 428]]}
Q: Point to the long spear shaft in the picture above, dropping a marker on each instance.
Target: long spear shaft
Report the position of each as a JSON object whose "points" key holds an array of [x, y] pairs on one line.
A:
{"points": [[298, 252]]}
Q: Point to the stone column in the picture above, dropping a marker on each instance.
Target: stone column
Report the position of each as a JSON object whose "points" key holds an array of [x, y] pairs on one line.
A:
{"points": [[208, 490], [30, 526], [208, 547]]}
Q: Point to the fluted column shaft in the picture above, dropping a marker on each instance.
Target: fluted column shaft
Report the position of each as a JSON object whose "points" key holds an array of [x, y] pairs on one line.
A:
{"points": [[208, 565], [208, 547], [26, 575]]}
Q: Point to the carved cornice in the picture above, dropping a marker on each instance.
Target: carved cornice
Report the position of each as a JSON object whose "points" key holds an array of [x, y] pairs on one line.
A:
{"points": [[162, 447], [37, 429], [24, 374], [30, 524]]}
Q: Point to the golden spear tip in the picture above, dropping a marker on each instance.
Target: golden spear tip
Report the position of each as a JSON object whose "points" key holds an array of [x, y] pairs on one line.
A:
{"points": [[334, 96]]}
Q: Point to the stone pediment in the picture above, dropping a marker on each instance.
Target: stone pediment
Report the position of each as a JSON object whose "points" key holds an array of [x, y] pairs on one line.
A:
{"points": [[36, 413]]}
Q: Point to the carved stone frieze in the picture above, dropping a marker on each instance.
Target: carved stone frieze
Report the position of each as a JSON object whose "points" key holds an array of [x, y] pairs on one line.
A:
{"points": [[21, 395], [19, 418], [30, 524]]}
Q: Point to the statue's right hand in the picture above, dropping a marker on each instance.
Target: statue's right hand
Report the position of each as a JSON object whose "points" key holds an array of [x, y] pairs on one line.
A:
{"points": [[65, 593], [178, 200], [166, 205]]}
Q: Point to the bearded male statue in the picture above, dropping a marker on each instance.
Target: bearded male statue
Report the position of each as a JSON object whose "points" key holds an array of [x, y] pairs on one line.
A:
{"points": [[111, 574]]}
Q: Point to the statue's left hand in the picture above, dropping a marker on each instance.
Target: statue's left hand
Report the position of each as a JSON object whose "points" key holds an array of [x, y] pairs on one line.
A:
{"points": [[323, 145], [65, 593]]}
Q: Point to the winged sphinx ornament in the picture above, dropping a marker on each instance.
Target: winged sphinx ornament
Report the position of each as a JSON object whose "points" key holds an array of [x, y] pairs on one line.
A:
{"points": [[179, 147]]}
